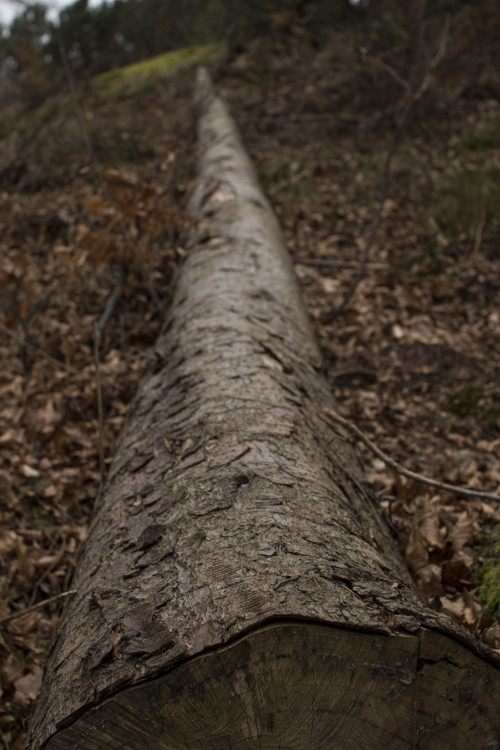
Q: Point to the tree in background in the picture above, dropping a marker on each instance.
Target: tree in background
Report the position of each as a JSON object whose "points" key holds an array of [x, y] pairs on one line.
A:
{"points": [[92, 38], [398, 28], [95, 39], [24, 69]]}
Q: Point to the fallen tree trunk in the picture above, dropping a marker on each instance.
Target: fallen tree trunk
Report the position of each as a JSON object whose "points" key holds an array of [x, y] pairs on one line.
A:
{"points": [[238, 588]]}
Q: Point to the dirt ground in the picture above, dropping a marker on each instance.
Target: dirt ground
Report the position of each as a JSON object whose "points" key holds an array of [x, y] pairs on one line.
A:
{"points": [[413, 359]]}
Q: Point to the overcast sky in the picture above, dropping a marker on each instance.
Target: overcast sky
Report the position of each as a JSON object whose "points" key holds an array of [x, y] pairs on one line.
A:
{"points": [[11, 8]]}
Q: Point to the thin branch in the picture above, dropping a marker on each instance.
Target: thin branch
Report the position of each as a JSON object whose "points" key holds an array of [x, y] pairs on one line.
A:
{"points": [[111, 304], [99, 327], [100, 410], [35, 607], [289, 182], [146, 277], [478, 234], [72, 89], [392, 464], [398, 133], [56, 561], [95, 167], [50, 357], [409, 98], [24, 145], [112, 301], [328, 263], [388, 69], [440, 53]]}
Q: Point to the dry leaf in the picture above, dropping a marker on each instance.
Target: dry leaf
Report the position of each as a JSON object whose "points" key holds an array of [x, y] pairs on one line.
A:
{"points": [[27, 688], [429, 580], [453, 607], [397, 331], [29, 471], [492, 637], [461, 532], [472, 609], [458, 571], [8, 541], [425, 536]]}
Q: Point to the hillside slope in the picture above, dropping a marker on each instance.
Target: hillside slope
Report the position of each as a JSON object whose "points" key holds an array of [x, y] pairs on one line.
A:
{"points": [[414, 359]]}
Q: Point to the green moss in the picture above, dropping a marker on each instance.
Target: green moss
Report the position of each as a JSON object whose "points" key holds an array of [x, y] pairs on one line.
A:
{"points": [[486, 138], [489, 591], [488, 576], [280, 171], [463, 200], [489, 419], [141, 76], [423, 261], [468, 198], [25, 123], [262, 76], [120, 83], [464, 402], [472, 400], [20, 656]]}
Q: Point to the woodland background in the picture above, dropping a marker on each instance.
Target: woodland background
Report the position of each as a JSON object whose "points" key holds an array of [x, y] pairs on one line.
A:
{"points": [[375, 129]]}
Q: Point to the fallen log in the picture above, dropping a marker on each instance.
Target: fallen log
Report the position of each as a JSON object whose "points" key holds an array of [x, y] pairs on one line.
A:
{"points": [[239, 588]]}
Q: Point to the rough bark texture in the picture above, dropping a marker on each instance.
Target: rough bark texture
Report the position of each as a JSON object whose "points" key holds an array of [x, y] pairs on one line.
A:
{"points": [[238, 588]]}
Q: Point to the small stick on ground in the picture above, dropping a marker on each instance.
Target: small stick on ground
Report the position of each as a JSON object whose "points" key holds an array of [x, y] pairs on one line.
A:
{"points": [[4, 741], [63, 365], [329, 263], [409, 98], [34, 607], [392, 464], [99, 327]]}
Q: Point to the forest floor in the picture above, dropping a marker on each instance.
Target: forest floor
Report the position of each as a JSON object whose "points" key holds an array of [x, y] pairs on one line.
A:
{"points": [[413, 360]]}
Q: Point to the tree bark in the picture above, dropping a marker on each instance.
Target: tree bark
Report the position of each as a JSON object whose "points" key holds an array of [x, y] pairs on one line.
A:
{"points": [[239, 588]]}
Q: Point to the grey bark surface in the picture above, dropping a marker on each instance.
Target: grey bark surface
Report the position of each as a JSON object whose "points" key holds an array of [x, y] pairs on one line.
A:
{"points": [[235, 515]]}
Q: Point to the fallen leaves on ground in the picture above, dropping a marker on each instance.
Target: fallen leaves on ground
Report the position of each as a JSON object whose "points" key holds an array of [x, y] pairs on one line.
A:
{"points": [[414, 360]]}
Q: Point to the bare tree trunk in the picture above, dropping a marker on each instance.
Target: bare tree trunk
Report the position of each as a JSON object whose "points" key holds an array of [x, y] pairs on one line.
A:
{"points": [[239, 588]]}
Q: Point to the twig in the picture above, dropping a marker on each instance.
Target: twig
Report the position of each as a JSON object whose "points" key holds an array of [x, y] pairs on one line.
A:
{"points": [[146, 277], [96, 169], [111, 304], [327, 263], [391, 463], [72, 90], [478, 234], [29, 140], [289, 181], [46, 355], [308, 116], [99, 327], [100, 412], [410, 96], [389, 69], [54, 563], [380, 208], [440, 53], [34, 607], [4, 741], [112, 301], [323, 263]]}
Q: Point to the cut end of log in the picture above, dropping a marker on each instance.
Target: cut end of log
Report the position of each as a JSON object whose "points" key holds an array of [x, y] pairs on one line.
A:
{"points": [[293, 685]]}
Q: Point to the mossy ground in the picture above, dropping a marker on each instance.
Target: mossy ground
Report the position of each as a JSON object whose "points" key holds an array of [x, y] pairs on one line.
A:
{"points": [[488, 576], [143, 76]]}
